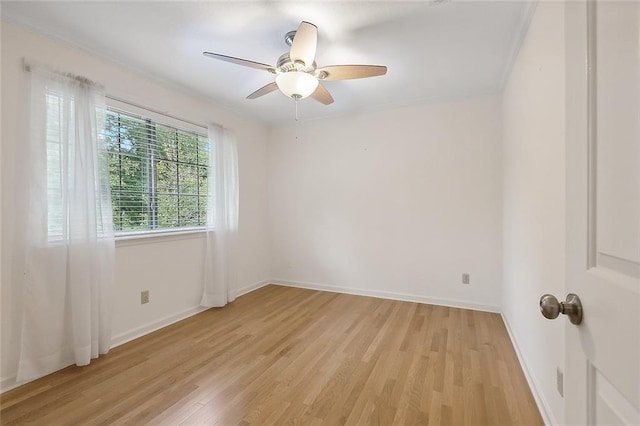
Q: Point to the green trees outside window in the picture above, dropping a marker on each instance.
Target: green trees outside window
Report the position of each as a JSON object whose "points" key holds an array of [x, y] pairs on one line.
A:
{"points": [[158, 174]]}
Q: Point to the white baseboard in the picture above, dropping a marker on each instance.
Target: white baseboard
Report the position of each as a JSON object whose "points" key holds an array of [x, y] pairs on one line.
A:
{"points": [[9, 382], [252, 287], [171, 319], [541, 402], [150, 327], [452, 303]]}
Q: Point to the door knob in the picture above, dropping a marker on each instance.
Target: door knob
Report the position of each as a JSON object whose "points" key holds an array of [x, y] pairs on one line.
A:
{"points": [[572, 307]]}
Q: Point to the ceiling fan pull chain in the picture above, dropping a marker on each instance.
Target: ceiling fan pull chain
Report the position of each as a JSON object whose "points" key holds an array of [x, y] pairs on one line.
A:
{"points": [[297, 121]]}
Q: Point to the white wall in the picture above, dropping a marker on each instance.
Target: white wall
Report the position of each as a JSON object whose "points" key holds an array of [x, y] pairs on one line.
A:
{"points": [[171, 269], [534, 201], [396, 203]]}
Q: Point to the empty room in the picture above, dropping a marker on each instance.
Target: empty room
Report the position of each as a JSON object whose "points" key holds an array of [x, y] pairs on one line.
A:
{"points": [[320, 213]]}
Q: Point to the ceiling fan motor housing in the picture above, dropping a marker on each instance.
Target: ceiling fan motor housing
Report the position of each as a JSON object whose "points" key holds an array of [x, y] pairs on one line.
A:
{"points": [[285, 64]]}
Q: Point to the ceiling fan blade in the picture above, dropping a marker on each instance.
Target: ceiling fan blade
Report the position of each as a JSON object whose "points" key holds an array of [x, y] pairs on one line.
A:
{"points": [[348, 72], [263, 90], [322, 95], [303, 47], [239, 61]]}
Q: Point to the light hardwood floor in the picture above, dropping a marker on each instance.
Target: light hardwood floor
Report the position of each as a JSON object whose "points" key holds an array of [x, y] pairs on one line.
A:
{"points": [[283, 355]]}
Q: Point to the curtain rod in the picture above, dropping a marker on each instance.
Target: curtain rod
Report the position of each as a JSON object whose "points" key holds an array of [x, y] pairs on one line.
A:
{"points": [[27, 67]]}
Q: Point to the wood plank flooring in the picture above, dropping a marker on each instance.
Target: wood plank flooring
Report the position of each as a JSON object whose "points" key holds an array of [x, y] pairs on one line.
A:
{"points": [[284, 355]]}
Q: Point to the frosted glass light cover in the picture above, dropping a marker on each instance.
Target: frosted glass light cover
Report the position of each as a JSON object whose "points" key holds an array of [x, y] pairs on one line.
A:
{"points": [[296, 83]]}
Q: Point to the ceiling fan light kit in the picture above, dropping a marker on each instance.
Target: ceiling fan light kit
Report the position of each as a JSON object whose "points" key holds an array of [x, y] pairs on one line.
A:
{"points": [[297, 84], [297, 75]]}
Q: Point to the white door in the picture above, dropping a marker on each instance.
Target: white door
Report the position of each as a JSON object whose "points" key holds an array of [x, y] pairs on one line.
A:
{"points": [[602, 372]]}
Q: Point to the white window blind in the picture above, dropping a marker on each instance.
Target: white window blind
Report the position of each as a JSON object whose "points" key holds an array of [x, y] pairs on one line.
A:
{"points": [[56, 219], [158, 173]]}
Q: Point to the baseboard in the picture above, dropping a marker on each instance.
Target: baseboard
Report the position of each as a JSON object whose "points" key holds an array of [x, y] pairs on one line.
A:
{"points": [[145, 329], [541, 402], [171, 319], [8, 383], [252, 287], [452, 303]]}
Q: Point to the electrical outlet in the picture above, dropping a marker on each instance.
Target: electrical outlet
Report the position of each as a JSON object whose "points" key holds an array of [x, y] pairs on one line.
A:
{"points": [[560, 381], [144, 297], [465, 279]]}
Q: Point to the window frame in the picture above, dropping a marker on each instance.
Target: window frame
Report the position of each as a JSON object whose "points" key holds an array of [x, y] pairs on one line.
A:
{"points": [[130, 236]]}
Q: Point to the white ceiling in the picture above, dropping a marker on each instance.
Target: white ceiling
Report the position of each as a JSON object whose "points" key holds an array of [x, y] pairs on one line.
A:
{"points": [[433, 50]]}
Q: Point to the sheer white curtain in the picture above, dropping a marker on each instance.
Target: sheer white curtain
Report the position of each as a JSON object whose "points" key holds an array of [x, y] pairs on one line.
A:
{"points": [[220, 269], [67, 244]]}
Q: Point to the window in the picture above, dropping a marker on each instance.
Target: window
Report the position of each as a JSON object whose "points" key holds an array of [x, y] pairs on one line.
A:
{"points": [[158, 173], [56, 219]]}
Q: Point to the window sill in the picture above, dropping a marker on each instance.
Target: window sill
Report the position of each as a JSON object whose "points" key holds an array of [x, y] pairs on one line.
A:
{"points": [[131, 239]]}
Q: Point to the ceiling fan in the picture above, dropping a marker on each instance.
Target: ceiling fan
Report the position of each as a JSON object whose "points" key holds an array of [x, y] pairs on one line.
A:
{"points": [[297, 74]]}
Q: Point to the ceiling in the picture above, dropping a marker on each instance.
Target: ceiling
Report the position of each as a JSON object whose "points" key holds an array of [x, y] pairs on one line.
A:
{"points": [[434, 51]]}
